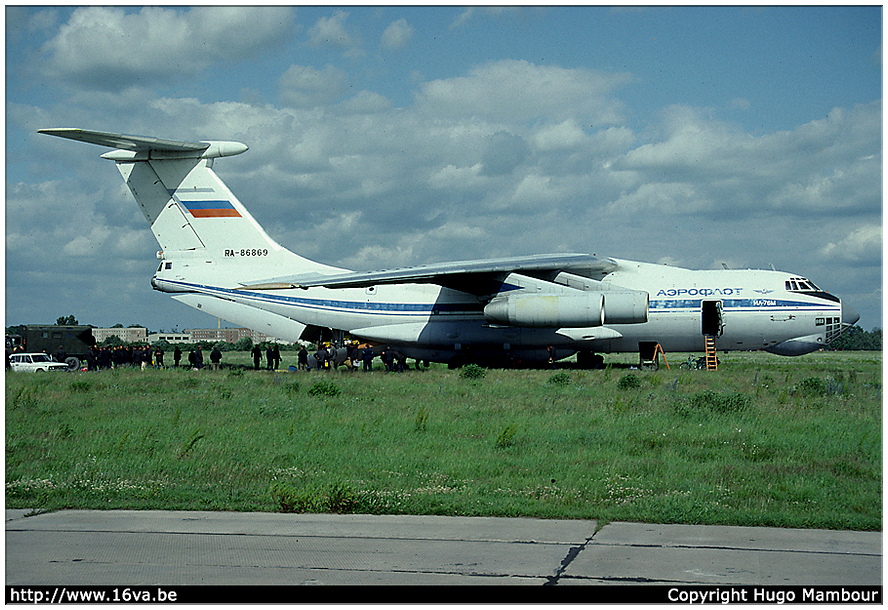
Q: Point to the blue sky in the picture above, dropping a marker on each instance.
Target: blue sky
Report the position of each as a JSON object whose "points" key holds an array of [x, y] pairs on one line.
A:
{"points": [[381, 136]]}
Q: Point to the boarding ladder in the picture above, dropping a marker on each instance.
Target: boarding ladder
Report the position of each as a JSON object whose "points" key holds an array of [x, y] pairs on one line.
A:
{"points": [[711, 356]]}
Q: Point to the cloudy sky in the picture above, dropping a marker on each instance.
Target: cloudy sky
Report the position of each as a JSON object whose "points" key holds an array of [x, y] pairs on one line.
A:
{"points": [[391, 136]]}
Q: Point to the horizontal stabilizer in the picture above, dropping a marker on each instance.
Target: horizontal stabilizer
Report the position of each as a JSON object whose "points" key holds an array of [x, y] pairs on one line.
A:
{"points": [[125, 142], [141, 147]]}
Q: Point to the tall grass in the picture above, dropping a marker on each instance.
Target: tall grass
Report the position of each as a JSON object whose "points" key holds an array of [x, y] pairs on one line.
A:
{"points": [[763, 441]]}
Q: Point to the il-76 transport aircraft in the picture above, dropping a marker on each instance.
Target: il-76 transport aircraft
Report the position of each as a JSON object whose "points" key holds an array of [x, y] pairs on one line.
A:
{"points": [[215, 257]]}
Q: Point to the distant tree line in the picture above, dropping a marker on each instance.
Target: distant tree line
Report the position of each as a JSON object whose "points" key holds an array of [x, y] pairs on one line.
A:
{"points": [[857, 339]]}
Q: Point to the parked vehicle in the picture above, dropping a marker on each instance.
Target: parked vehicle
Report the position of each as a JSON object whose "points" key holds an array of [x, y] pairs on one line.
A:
{"points": [[35, 363]]}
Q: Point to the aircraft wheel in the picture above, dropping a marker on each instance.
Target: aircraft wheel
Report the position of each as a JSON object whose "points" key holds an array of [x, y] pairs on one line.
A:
{"points": [[73, 363], [589, 360]]}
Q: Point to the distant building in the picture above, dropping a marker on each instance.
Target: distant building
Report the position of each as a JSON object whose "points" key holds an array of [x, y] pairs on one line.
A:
{"points": [[229, 335], [182, 337], [127, 335]]}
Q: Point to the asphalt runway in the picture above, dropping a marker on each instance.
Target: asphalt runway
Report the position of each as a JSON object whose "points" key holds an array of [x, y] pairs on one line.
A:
{"points": [[113, 548]]}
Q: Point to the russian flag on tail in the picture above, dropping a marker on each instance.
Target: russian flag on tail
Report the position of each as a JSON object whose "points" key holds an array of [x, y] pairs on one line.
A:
{"points": [[211, 209]]}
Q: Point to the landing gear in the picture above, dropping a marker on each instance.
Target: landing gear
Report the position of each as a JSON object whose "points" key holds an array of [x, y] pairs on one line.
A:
{"points": [[589, 360]]}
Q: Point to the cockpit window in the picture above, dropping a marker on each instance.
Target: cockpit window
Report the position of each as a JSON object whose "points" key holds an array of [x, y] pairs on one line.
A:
{"points": [[800, 284]]}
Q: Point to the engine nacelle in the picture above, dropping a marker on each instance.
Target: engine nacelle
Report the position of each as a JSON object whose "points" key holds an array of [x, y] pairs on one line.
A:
{"points": [[585, 310], [547, 310], [626, 307]]}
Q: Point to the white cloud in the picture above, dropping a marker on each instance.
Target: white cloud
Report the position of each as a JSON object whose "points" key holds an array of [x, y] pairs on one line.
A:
{"points": [[452, 177], [520, 91], [535, 190], [112, 48], [396, 35], [567, 134], [332, 32], [463, 17], [305, 86], [863, 244], [469, 13], [662, 199], [819, 167]]}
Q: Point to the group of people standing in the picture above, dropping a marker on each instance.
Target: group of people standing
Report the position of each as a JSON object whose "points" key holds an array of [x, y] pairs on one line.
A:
{"points": [[106, 357], [272, 356], [352, 356], [144, 356]]}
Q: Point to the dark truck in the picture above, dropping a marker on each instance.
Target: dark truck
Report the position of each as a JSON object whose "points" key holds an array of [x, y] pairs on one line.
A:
{"points": [[75, 340]]}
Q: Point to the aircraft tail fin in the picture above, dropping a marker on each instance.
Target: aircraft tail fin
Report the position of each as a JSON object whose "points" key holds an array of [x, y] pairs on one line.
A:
{"points": [[192, 213]]}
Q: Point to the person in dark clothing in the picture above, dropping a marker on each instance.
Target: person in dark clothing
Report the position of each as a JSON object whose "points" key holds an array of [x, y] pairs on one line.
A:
{"points": [[302, 359], [198, 357], [352, 355], [105, 358], [388, 359], [367, 358], [276, 356], [269, 357], [177, 355], [216, 357], [256, 352], [91, 354]]}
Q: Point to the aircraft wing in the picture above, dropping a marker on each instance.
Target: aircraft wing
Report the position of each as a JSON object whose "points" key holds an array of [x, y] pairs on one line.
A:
{"points": [[461, 275]]}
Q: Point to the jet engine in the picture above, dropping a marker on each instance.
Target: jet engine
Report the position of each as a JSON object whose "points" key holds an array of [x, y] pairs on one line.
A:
{"points": [[626, 307], [583, 310]]}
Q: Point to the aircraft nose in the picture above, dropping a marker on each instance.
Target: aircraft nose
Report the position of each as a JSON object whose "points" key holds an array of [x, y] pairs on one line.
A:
{"points": [[849, 315]]}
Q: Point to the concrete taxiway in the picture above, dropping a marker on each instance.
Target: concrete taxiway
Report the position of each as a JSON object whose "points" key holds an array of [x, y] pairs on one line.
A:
{"points": [[81, 547]]}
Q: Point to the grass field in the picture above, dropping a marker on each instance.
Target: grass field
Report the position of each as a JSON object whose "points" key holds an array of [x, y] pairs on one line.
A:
{"points": [[765, 440]]}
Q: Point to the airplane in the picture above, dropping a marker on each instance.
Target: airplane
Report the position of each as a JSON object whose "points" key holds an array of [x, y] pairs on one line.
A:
{"points": [[216, 258]]}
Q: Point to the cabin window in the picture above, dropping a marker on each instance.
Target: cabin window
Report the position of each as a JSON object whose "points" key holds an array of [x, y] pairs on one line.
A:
{"points": [[819, 322], [169, 266]]}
